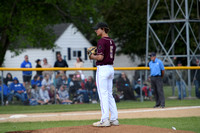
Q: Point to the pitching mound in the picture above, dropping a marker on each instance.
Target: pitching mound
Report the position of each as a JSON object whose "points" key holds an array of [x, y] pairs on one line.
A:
{"points": [[112, 129]]}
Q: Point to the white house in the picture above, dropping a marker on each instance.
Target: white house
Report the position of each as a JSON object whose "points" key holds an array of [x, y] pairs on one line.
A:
{"points": [[70, 43]]}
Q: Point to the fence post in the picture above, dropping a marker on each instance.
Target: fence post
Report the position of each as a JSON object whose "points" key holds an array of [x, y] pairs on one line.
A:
{"points": [[141, 82], [2, 88], [55, 84]]}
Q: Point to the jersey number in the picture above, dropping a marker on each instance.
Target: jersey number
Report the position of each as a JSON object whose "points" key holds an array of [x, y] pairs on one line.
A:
{"points": [[111, 52]]}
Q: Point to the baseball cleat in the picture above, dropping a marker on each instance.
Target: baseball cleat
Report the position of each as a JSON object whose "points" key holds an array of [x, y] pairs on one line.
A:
{"points": [[106, 123], [114, 122]]}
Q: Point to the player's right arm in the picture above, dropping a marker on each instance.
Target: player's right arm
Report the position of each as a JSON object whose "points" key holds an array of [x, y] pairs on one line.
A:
{"points": [[96, 57]]}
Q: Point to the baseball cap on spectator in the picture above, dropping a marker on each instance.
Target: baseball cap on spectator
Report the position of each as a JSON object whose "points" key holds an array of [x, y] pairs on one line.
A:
{"points": [[100, 25], [37, 60], [152, 54]]}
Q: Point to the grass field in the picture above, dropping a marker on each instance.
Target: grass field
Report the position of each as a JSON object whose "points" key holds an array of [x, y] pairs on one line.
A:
{"points": [[188, 123]]}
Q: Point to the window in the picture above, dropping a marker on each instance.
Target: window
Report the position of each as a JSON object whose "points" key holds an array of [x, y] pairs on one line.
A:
{"points": [[77, 53]]}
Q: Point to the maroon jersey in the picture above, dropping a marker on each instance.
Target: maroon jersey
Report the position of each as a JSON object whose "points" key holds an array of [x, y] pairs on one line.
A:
{"points": [[106, 47]]}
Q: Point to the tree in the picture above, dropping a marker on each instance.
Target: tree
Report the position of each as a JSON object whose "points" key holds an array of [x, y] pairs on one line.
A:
{"points": [[28, 23], [127, 21]]}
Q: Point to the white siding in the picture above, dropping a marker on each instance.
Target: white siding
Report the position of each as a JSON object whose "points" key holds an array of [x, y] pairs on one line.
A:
{"points": [[72, 38], [12, 61]]}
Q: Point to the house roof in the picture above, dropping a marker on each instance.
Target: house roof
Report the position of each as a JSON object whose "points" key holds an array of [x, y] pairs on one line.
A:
{"points": [[60, 28]]}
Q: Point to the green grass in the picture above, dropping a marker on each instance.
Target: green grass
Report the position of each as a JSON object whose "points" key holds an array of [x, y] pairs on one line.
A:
{"points": [[18, 109], [188, 123]]}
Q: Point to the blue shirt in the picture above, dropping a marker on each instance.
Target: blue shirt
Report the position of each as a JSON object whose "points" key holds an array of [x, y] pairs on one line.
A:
{"points": [[17, 87], [26, 65], [6, 90], [36, 82], [156, 67]]}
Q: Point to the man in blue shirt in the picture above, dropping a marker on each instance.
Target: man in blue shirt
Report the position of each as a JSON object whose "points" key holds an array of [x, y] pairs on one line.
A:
{"points": [[26, 74], [157, 73], [17, 89]]}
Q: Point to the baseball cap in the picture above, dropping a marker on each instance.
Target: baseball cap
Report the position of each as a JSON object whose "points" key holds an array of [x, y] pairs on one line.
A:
{"points": [[37, 60], [100, 25], [152, 54]]}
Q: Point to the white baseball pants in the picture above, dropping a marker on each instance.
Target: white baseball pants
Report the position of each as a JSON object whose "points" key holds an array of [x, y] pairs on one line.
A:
{"points": [[104, 79]]}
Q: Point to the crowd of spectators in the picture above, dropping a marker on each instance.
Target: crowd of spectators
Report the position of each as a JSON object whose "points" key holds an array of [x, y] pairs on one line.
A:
{"points": [[62, 90], [43, 88]]}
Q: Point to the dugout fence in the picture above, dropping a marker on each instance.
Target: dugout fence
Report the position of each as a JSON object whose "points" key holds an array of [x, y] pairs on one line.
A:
{"points": [[169, 80]]}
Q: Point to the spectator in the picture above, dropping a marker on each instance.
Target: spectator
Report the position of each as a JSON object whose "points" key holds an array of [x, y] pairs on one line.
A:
{"points": [[44, 95], [197, 80], [36, 81], [6, 93], [46, 81], [157, 71], [146, 89], [26, 74], [63, 95], [34, 100], [17, 89], [73, 87], [91, 89], [60, 62], [38, 65], [61, 79], [46, 65], [52, 92], [8, 80], [137, 88], [79, 64], [124, 87], [180, 82]]}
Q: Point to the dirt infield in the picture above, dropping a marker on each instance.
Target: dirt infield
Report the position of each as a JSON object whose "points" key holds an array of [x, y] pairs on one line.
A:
{"points": [[113, 129], [89, 115]]}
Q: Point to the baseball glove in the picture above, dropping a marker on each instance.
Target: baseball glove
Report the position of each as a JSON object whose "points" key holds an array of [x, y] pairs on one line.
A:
{"points": [[92, 50]]}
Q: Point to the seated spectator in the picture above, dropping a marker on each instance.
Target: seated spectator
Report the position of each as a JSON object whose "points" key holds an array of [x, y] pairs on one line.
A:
{"points": [[124, 87], [18, 90], [52, 94], [73, 87], [6, 93], [63, 95], [34, 100], [61, 79], [46, 81], [36, 81], [137, 88], [91, 89], [147, 90], [8, 80], [44, 95]]}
